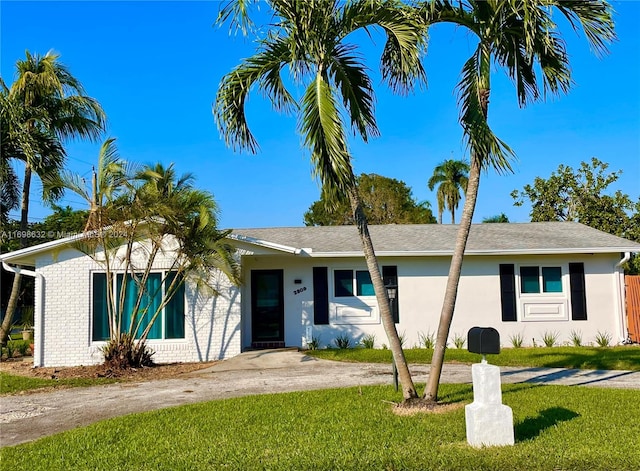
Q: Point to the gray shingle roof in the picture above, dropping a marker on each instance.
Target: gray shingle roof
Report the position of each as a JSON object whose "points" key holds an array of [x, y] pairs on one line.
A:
{"points": [[540, 237]]}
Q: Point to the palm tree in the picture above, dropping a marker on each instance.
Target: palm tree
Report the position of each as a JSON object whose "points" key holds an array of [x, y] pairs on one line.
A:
{"points": [[52, 107], [308, 40], [498, 218], [451, 176], [129, 204], [523, 38]]}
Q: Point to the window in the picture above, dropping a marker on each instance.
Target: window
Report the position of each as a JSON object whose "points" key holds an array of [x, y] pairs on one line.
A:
{"points": [[532, 279], [168, 325], [348, 282]]}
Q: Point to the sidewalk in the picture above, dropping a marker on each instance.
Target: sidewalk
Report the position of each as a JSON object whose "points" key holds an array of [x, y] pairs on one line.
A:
{"points": [[257, 372]]}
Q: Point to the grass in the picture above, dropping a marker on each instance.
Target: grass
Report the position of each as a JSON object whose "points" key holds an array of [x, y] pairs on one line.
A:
{"points": [[589, 358], [13, 383], [556, 427]]}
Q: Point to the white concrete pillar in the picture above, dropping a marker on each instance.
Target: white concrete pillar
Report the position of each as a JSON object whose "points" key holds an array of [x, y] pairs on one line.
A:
{"points": [[489, 422]]}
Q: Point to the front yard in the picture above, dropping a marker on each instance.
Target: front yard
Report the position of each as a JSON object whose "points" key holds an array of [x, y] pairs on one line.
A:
{"points": [[556, 427]]}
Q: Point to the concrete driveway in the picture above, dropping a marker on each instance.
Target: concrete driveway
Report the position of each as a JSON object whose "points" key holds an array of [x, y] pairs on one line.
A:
{"points": [[256, 372]]}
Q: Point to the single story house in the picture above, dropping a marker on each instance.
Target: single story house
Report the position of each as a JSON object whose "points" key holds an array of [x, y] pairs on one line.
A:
{"points": [[303, 283]]}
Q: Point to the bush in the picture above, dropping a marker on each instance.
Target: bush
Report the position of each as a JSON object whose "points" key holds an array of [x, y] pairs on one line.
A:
{"points": [[459, 340], [368, 341], [342, 341], [314, 344], [516, 340], [125, 353], [603, 339], [576, 338], [550, 338], [427, 340]]}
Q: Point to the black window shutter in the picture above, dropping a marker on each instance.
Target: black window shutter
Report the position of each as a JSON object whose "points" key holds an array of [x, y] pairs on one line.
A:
{"points": [[508, 293], [390, 277], [578, 293], [320, 296]]}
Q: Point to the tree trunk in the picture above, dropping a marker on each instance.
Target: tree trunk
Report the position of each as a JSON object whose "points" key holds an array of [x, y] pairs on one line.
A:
{"points": [[453, 215], [24, 213], [451, 292], [408, 389], [5, 329]]}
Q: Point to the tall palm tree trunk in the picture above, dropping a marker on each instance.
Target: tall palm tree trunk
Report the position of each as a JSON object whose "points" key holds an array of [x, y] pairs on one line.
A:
{"points": [[451, 291], [446, 315], [408, 389], [5, 328]]}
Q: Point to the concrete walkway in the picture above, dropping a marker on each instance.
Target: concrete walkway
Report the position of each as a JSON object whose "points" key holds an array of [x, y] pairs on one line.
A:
{"points": [[258, 372]]}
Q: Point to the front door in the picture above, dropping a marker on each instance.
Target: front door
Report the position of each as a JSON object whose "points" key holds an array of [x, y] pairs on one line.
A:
{"points": [[267, 308]]}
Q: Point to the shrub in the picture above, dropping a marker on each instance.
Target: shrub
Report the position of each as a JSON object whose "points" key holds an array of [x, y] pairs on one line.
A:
{"points": [[314, 344], [516, 340], [368, 341], [459, 341], [550, 338], [603, 339], [427, 340], [403, 338], [576, 338], [342, 341], [125, 353]]}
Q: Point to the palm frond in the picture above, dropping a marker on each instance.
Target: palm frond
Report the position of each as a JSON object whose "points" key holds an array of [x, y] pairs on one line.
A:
{"points": [[595, 17], [349, 74], [483, 144], [229, 108], [237, 13], [323, 132]]}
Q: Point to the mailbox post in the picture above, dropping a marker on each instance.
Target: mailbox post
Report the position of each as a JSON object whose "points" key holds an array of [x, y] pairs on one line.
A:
{"points": [[392, 294], [489, 422]]}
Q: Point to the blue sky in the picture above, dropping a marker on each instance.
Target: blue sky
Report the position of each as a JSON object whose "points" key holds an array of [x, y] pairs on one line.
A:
{"points": [[155, 68]]}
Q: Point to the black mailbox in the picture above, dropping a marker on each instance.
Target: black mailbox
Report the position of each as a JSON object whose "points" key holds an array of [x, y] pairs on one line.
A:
{"points": [[483, 340]]}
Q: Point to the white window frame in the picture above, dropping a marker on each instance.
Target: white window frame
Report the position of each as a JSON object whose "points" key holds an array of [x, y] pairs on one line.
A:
{"points": [[543, 306]]}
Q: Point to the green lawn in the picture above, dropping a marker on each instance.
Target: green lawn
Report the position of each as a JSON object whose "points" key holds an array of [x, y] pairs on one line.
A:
{"points": [[13, 383], [556, 427], [589, 358]]}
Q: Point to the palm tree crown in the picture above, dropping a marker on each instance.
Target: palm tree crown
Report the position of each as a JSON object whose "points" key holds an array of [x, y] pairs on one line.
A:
{"points": [[451, 176]]}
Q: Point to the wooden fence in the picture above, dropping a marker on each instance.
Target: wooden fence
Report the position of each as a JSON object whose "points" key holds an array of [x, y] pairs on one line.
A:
{"points": [[632, 285]]}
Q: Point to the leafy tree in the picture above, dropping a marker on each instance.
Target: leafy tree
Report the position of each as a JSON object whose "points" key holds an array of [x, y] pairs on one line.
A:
{"points": [[502, 217], [385, 201], [451, 176], [582, 195], [133, 218], [523, 38], [47, 105], [309, 40]]}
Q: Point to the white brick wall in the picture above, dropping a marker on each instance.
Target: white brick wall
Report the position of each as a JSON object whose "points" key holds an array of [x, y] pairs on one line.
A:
{"points": [[212, 324]]}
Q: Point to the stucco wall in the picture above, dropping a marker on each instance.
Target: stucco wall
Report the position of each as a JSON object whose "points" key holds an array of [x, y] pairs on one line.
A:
{"points": [[212, 323], [220, 326], [422, 283]]}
